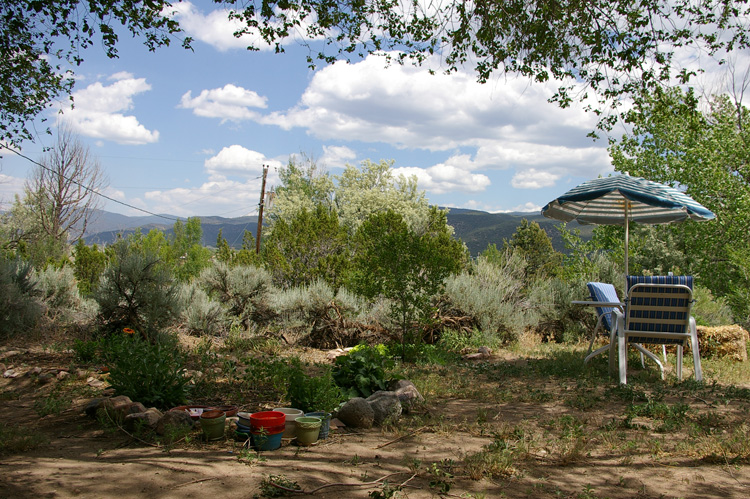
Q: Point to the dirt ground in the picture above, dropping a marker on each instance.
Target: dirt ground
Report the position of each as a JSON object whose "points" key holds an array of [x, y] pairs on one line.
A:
{"points": [[81, 459]]}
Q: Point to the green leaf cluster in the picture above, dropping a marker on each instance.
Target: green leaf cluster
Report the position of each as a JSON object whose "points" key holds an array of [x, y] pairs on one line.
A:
{"points": [[363, 371], [150, 373]]}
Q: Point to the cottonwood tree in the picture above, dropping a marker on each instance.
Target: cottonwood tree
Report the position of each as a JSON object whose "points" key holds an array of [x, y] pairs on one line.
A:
{"points": [[707, 154], [62, 190], [611, 48]]}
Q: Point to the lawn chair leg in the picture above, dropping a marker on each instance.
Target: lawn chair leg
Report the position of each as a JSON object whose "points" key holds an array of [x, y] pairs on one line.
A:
{"points": [[679, 362], [622, 353], [664, 352], [651, 356], [696, 351]]}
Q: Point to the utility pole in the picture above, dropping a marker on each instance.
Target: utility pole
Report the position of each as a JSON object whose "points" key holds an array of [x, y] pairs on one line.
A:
{"points": [[260, 210]]}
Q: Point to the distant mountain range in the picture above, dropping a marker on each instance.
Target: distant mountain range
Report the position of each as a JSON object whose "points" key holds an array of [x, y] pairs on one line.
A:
{"points": [[475, 228]]}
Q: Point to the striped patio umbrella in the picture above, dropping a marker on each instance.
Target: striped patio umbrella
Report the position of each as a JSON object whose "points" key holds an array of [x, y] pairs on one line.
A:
{"points": [[620, 199]]}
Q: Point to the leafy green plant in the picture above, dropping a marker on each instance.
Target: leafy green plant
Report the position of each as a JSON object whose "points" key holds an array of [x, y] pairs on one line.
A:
{"points": [[313, 393], [150, 373], [362, 371], [54, 403], [85, 351], [19, 308], [137, 291]]}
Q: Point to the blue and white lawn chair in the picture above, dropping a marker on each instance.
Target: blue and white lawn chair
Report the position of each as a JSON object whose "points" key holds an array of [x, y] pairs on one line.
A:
{"points": [[657, 311], [606, 295]]}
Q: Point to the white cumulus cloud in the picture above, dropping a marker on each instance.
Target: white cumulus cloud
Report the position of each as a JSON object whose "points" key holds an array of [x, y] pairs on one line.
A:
{"points": [[99, 111], [227, 103]]}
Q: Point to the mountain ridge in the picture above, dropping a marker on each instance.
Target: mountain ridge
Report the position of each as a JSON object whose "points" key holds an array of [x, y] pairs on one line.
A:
{"points": [[476, 228]]}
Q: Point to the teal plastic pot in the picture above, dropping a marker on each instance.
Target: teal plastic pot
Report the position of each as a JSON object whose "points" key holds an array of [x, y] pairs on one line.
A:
{"points": [[325, 426], [213, 425], [266, 441], [307, 430]]}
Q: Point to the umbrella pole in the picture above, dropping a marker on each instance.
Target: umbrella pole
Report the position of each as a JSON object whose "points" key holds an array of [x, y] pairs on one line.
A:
{"points": [[627, 239]]}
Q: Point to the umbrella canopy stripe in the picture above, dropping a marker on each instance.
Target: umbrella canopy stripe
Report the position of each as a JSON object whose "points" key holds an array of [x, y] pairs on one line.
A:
{"points": [[620, 199], [602, 201]]}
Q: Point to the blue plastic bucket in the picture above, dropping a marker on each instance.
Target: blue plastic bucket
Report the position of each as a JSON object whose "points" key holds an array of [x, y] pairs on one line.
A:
{"points": [[264, 441]]}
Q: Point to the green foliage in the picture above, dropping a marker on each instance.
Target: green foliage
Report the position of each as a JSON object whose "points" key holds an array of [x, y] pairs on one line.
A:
{"points": [[362, 371], [492, 295], [394, 261], [54, 403], [88, 265], [313, 393], [137, 291], [187, 253], [533, 243], [201, 314], [19, 308], [709, 310], [86, 351], [150, 373], [243, 291], [304, 186], [705, 153], [58, 290], [309, 245]]}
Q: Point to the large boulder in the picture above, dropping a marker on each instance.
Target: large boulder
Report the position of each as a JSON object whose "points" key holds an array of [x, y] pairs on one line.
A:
{"points": [[407, 393], [356, 413], [385, 405], [174, 421], [148, 418], [116, 408]]}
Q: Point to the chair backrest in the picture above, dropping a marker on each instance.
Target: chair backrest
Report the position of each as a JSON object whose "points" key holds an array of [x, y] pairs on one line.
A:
{"points": [[604, 292], [658, 304]]}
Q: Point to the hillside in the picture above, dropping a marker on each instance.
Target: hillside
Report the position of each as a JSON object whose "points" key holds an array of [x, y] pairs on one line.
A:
{"points": [[475, 228]]}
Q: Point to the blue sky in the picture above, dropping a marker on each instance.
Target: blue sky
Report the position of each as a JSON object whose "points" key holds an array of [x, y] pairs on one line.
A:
{"points": [[187, 133]]}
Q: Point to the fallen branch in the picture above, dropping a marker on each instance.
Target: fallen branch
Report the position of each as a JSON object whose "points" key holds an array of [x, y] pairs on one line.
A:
{"points": [[365, 484], [194, 481], [402, 437]]}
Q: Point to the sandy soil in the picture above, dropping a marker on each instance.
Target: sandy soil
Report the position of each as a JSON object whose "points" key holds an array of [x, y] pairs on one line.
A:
{"points": [[83, 460]]}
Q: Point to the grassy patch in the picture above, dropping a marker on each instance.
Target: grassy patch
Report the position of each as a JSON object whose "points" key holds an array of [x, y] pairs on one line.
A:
{"points": [[14, 439]]}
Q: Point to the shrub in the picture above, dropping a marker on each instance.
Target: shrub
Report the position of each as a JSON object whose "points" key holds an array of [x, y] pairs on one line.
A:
{"points": [[201, 314], [137, 291], [313, 393], [362, 371], [244, 291], [58, 290], [709, 310], [19, 308], [492, 295], [150, 373]]}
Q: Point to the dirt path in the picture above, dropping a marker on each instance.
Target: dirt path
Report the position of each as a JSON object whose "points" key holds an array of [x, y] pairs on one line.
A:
{"points": [[83, 460]]}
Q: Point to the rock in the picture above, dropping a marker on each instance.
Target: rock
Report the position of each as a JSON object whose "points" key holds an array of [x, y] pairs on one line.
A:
{"points": [[117, 407], [486, 351], [45, 378], [137, 407], [95, 383], [10, 373], [356, 413], [149, 418], [173, 420], [408, 394], [385, 405], [63, 375], [93, 406], [9, 354], [723, 341], [34, 371]]}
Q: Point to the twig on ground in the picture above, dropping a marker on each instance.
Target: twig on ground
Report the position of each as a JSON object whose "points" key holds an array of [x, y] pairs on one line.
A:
{"points": [[194, 481], [402, 437], [310, 492]]}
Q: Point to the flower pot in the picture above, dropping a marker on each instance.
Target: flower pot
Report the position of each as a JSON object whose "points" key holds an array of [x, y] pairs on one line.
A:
{"points": [[229, 410], [291, 415], [266, 419], [266, 440], [307, 430], [325, 418], [195, 411], [212, 424]]}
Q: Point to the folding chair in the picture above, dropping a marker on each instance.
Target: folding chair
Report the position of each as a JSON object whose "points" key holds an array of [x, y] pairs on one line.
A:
{"points": [[657, 311], [604, 298]]}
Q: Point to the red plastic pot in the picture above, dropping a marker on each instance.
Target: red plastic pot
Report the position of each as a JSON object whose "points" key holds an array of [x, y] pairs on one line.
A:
{"points": [[267, 419]]}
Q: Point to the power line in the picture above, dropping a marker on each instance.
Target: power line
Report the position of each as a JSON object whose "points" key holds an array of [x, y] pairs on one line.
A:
{"points": [[87, 188]]}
